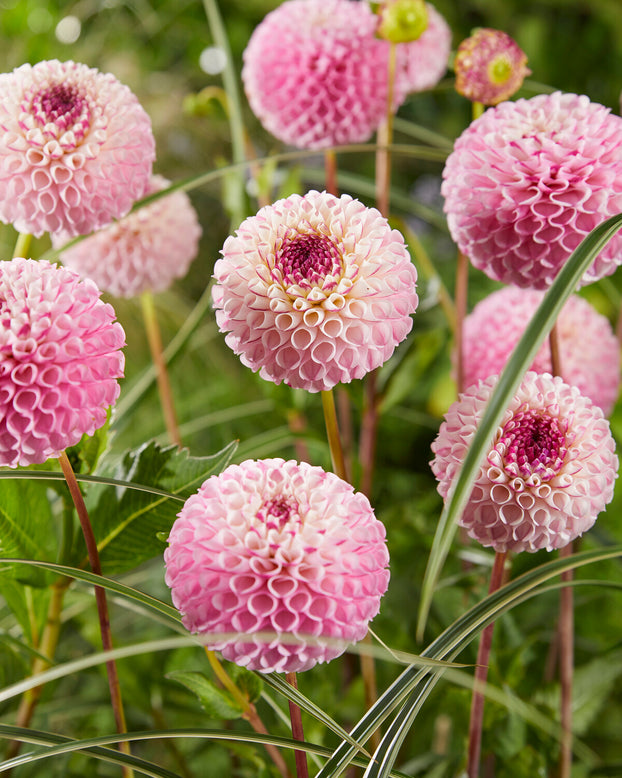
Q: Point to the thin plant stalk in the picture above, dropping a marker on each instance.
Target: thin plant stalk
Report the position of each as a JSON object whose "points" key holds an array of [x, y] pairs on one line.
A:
{"points": [[154, 337], [565, 627], [302, 767], [481, 673], [101, 601], [22, 245], [330, 172], [332, 433], [460, 307], [250, 712]]}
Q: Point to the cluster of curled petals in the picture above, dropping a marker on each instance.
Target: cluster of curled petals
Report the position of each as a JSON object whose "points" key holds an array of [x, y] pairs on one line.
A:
{"points": [[145, 251], [548, 473], [490, 67], [422, 63], [76, 148], [588, 348], [60, 358], [528, 180], [314, 291], [279, 565], [315, 75]]}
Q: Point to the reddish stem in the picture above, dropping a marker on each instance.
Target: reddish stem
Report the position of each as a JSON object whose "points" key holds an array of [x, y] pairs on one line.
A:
{"points": [[302, 768]]}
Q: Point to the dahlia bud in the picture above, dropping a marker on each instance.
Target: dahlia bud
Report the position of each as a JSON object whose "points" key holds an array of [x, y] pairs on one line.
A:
{"points": [[403, 21], [490, 67]]}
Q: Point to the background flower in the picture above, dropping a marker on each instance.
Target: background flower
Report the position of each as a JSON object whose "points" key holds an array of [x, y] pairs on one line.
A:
{"points": [[144, 251], [315, 75], [490, 66], [589, 349], [422, 63], [279, 547], [314, 291], [76, 148], [528, 180], [60, 359], [549, 472]]}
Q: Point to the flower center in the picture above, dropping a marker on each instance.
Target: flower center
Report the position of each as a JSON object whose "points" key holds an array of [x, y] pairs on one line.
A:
{"points": [[306, 260], [59, 108], [277, 512], [499, 69], [534, 442]]}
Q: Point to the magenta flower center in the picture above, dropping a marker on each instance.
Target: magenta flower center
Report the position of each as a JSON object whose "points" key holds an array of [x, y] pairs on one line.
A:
{"points": [[60, 108], [534, 443], [307, 260], [278, 512]]}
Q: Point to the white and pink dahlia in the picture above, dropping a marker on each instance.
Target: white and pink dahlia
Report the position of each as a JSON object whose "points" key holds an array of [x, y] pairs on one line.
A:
{"points": [[314, 291], [76, 148], [548, 473], [315, 75], [60, 358], [422, 63], [528, 180], [145, 251], [279, 565], [589, 350]]}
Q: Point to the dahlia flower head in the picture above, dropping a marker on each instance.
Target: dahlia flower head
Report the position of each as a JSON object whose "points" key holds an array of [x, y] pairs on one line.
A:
{"points": [[60, 358], [548, 473], [490, 66], [76, 148], [589, 349], [278, 565], [314, 291], [528, 180], [144, 251]]}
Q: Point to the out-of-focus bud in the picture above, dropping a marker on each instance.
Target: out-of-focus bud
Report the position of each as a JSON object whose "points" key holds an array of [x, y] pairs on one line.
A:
{"points": [[402, 21]]}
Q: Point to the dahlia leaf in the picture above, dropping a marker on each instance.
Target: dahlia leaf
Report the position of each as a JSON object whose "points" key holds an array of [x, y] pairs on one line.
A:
{"points": [[248, 683], [522, 356], [217, 703], [126, 521]]}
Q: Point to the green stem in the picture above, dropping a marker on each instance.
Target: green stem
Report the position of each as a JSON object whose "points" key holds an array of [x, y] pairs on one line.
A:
{"points": [[384, 138], [101, 601], [22, 245], [157, 355], [332, 433], [461, 294], [330, 172]]}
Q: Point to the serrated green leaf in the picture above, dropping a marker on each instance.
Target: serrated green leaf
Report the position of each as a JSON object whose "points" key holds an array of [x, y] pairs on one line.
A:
{"points": [[217, 703], [127, 522], [248, 683]]}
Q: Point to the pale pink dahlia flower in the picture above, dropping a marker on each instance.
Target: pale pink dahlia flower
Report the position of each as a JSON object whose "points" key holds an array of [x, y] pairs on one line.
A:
{"points": [[528, 180], [422, 63], [589, 349], [548, 473], [145, 251], [60, 359], [282, 549], [76, 148], [490, 66], [315, 75], [314, 291]]}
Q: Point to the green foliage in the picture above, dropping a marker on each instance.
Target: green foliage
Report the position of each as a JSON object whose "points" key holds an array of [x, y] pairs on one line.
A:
{"points": [[218, 703]]}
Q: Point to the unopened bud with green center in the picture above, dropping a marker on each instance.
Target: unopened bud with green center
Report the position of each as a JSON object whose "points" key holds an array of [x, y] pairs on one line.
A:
{"points": [[403, 21], [490, 67]]}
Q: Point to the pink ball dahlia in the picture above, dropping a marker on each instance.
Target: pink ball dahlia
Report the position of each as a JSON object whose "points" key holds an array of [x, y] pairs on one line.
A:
{"points": [[315, 74], [76, 148], [422, 63], [60, 359], [549, 471], [589, 349], [145, 251], [314, 291], [528, 180], [278, 564], [490, 67]]}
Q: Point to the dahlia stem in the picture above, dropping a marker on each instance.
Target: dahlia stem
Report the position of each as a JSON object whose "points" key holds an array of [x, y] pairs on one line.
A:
{"points": [[461, 293], [100, 599], [302, 768], [369, 429], [330, 172], [22, 245], [250, 712], [565, 627], [164, 387], [384, 136], [481, 673], [332, 432], [46, 648]]}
